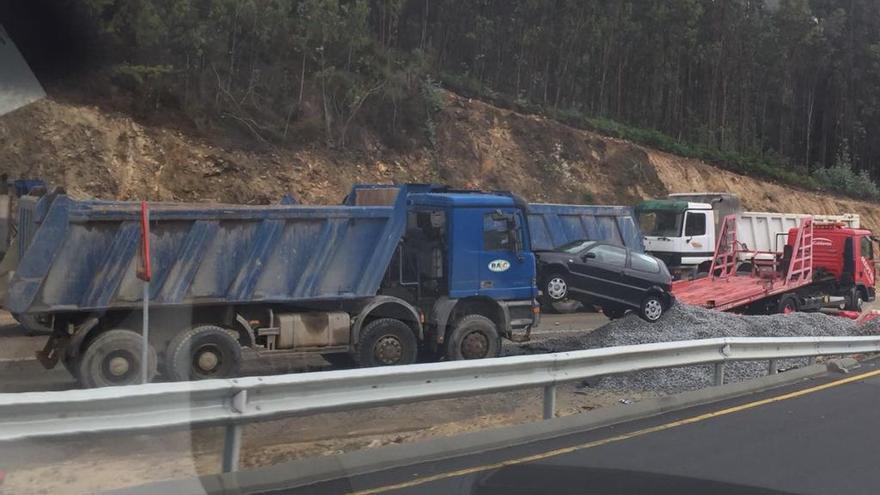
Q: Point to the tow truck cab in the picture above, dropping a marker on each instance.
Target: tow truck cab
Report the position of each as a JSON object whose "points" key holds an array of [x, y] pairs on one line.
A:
{"points": [[844, 255]]}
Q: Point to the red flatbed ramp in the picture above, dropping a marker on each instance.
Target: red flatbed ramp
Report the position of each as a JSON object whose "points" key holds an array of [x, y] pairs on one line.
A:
{"points": [[723, 293]]}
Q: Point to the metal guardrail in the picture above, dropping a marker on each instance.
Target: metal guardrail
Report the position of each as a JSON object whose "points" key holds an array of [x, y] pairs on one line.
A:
{"points": [[234, 402]]}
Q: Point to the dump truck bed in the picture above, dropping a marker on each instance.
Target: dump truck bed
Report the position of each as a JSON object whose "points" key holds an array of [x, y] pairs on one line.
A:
{"points": [[83, 255], [552, 225]]}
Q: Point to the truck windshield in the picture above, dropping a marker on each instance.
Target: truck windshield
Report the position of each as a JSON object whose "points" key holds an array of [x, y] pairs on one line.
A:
{"points": [[660, 223]]}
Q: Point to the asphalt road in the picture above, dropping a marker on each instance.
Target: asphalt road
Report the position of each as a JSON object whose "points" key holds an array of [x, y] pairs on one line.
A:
{"points": [[817, 437], [20, 371]]}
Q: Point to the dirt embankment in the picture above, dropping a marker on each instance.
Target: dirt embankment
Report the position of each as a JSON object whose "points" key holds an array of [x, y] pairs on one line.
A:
{"points": [[103, 154]]}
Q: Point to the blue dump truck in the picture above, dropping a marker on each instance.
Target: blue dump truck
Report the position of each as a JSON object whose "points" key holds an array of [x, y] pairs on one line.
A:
{"points": [[394, 273]]}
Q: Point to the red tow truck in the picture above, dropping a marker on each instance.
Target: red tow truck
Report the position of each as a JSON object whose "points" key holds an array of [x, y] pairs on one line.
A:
{"points": [[821, 266]]}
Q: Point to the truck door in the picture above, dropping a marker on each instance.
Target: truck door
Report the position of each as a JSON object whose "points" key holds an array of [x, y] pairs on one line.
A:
{"points": [[506, 267], [698, 242], [865, 265]]}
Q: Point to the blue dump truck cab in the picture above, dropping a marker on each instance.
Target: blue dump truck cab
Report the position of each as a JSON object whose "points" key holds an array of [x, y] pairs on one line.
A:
{"points": [[393, 273]]}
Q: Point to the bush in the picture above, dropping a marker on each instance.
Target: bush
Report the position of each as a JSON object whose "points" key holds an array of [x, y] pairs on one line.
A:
{"points": [[843, 179]]}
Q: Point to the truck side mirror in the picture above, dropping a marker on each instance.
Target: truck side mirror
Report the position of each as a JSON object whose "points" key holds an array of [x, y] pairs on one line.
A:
{"points": [[590, 256]]}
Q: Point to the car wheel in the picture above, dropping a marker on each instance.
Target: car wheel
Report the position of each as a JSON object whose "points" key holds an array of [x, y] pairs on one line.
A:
{"points": [[386, 342], [787, 304], [474, 337], [652, 308], [613, 313]]}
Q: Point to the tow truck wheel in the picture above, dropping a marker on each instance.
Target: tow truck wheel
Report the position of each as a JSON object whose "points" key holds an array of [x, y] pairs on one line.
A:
{"points": [[788, 304], [386, 342], [854, 300], [474, 337], [202, 353], [113, 359]]}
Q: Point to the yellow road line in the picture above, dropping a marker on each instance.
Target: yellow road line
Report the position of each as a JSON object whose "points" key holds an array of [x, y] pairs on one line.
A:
{"points": [[625, 436]]}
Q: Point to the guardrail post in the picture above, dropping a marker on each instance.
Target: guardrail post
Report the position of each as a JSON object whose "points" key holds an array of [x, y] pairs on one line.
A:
{"points": [[232, 435], [812, 360], [231, 448], [549, 401], [719, 373], [774, 367]]}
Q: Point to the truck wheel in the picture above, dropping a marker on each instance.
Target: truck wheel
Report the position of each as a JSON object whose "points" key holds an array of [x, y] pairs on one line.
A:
{"points": [[114, 358], [652, 308], [854, 300], [202, 353], [613, 313], [474, 337], [386, 342], [788, 304]]}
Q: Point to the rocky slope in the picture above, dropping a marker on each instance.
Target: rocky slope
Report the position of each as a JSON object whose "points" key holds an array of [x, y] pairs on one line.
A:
{"points": [[95, 153]]}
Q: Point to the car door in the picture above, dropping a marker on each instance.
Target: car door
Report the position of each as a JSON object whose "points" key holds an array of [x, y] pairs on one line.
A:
{"points": [[599, 272]]}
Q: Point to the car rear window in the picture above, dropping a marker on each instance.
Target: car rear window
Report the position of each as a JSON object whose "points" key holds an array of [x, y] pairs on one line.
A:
{"points": [[644, 263]]}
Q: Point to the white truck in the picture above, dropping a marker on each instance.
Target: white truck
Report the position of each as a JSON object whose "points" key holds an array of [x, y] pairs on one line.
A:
{"points": [[682, 229]]}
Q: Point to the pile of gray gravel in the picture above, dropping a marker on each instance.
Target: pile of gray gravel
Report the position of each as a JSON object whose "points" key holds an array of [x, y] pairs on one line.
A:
{"points": [[683, 322]]}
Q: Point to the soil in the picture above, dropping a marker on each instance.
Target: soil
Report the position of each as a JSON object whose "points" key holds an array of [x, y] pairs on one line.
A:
{"points": [[94, 152]]}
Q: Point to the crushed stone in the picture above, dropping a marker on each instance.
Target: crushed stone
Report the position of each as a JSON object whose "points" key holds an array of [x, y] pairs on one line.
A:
{"points": [[684, 322]]}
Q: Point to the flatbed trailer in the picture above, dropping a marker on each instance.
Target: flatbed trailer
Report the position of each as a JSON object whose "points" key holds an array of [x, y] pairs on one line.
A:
{"points": [[821, 265]]}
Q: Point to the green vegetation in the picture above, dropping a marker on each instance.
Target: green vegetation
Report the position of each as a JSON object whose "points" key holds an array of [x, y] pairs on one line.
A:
{"points": [[772, 88]]}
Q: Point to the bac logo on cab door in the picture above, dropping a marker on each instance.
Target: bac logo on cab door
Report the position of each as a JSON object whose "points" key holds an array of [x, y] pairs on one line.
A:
{"points": [[499, 265]]}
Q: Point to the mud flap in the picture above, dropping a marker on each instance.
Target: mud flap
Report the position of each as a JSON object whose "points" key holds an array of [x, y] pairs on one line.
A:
{"points": [[51, 352]]}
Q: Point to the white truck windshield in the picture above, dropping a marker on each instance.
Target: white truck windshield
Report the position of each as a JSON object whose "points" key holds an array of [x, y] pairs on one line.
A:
{"points": [[660, 223]]}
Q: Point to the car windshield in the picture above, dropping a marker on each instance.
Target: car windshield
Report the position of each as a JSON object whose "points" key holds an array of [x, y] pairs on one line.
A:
{"points": [[661, 223], [575, 247], [347, 246]]}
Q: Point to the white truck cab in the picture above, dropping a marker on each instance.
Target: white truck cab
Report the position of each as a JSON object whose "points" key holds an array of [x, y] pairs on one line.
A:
{"points": [[682, 229]]}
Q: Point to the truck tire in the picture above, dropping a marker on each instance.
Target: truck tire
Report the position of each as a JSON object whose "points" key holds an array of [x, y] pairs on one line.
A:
{"points": [[788, 304], [652, 308], [114, 359], [202, 353], [474, 337], [854, 300], [386, 342], [613, 313]]}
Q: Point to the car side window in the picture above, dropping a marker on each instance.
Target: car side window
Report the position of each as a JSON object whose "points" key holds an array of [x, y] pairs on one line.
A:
{"points": [[644, 263], [695, 225], [610, 255], [495, 234]]}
